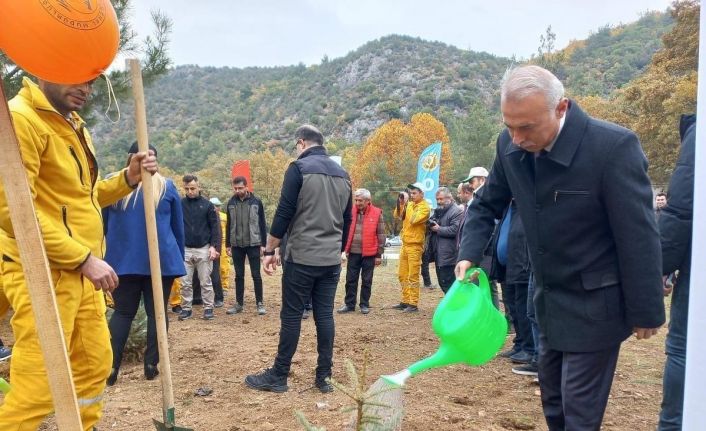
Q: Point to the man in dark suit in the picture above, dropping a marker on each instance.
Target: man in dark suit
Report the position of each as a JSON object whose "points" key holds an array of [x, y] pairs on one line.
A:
{"points": [[585, 200]]}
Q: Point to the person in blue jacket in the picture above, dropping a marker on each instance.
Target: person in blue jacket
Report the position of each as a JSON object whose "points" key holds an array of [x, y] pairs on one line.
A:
{"points": [[126, 252]]}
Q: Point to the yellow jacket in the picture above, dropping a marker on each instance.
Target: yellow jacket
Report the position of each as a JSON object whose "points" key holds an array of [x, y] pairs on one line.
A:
{"points": [[61, 168], [414, 225]]}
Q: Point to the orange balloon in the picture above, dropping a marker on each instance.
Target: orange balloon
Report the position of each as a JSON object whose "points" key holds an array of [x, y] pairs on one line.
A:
{"points": [[60, 41]]}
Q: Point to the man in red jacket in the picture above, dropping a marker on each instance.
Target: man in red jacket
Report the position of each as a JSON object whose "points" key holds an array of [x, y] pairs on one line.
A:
{"points": [[364, 248]]}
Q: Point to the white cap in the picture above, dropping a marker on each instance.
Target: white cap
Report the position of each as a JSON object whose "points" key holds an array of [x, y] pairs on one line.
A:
{"points": [[477, 171], [216, 201], [416, 185]]}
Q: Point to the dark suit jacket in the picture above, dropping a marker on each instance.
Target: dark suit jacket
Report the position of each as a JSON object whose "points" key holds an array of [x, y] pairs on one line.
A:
{"points": [[591, 232]]}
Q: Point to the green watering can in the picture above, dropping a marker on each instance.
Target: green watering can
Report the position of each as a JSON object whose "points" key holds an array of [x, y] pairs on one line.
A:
{"points": [[471, 330], [4, 386]]}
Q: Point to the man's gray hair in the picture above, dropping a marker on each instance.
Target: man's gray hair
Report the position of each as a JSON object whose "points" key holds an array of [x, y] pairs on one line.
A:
{"points": [[520, 82], [362, 193], [309, 133], [444, 191]]}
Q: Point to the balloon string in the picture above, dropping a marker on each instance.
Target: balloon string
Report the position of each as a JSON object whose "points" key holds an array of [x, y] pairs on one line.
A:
{"points": [[111, 97]]}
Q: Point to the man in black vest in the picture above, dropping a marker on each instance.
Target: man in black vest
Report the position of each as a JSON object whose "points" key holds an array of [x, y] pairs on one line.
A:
{"points": [[315, 212], [585, 200]]}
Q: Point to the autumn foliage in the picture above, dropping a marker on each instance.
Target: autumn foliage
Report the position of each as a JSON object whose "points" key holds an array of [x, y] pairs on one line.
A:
{"points": [[393, 149]]}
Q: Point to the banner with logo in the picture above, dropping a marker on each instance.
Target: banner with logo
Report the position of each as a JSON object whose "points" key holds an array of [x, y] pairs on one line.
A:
{"points": [[428, 169]]}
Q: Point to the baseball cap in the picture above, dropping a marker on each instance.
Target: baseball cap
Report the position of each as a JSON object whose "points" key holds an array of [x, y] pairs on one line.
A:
{"points": [[216, 201], [477, 171], [419, 186]]}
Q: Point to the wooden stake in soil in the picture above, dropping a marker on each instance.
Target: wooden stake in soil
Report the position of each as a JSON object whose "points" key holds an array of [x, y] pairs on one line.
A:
{"points": [[153, 247], [37, 275]]}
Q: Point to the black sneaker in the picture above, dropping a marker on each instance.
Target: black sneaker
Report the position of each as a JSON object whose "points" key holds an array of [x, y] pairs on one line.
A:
{"points": [[323, 385], [410, 309], [364, 309], [345, 309], [400, 306], [217, 304], [527, 369], [5, 353], [151, 371], [185, 314], [267, 381], [521, 357], [208, 314], [112, 378], [305, 314], [509, 352], [176, 309]]}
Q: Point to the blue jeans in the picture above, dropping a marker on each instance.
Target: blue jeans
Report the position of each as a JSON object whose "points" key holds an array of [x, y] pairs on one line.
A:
{"points": [[670, 418], [299, 283], [532, 318]]}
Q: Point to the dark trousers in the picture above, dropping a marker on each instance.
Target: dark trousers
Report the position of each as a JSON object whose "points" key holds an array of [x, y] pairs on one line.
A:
{"points": [[301, 282], [575, 386], [426, 276], [446, 276], [532, 318], [359, 266], [670, 417], [215, 280], [238, 254], [515, 299], [127, 300]]}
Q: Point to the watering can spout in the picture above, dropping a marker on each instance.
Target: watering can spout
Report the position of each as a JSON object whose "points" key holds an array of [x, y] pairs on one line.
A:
{"points": [[446, 355]]}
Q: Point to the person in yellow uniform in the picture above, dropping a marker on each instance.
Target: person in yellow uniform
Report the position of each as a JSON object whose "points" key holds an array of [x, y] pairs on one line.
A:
{"points": [[414, 214], [59, 159]]}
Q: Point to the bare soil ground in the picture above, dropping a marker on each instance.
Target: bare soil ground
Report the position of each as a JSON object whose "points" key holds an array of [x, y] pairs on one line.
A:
{"points": [[220, 353]]}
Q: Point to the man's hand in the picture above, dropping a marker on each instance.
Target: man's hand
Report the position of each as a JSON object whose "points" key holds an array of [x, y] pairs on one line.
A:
{"points": [[435, 227], [100, 274], [667, 286], [270, 264], [212, 253], [228, 251], [378, 261], [461, 268], [644, 333], [344, 256], [138, 161]]}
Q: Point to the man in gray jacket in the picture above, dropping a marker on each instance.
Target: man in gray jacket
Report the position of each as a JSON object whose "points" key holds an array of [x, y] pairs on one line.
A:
{"points": [[315, 212], [444, 226]]}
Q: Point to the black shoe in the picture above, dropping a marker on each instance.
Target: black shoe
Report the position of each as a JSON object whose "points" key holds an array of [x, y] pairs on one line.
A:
{"points": [[151, 371], [208, 314], [217, 304], [527, 369], [267, 381], [509, 352], [113, 377], [400, 306], [305, 314], [323, 385], [345, 309], [364, 309], [521, 357], [410, 309], [176, 309], [235, 309], [185, 314]]}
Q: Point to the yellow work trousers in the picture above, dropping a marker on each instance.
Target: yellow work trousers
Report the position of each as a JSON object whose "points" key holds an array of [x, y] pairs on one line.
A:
{"points": [[175, 295], [408, 273], [4, 303], [82, 313]]}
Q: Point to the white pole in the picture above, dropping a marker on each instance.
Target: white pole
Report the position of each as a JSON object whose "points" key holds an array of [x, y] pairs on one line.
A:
{"points": [[695, 380]]}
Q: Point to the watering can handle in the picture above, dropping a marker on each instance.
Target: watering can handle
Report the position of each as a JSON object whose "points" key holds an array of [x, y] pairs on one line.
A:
{"points": [[483, 282]]}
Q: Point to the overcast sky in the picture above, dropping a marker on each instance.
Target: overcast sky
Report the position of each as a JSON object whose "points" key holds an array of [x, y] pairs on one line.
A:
{"points": [[270, 33]]}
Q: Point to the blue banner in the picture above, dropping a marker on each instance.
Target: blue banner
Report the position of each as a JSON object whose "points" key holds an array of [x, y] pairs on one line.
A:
{"points": [[428, 169]]}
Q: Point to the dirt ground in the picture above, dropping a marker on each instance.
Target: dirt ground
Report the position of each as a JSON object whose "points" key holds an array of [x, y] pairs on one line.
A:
{"points": [[220, 353]]}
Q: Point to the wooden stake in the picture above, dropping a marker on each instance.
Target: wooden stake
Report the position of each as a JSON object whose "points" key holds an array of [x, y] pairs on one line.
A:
{"points": [[37, 275], [153, 246]]}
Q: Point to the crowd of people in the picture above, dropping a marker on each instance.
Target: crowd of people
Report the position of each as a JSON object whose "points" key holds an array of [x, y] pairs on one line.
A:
{"points": [[563, 223]]}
